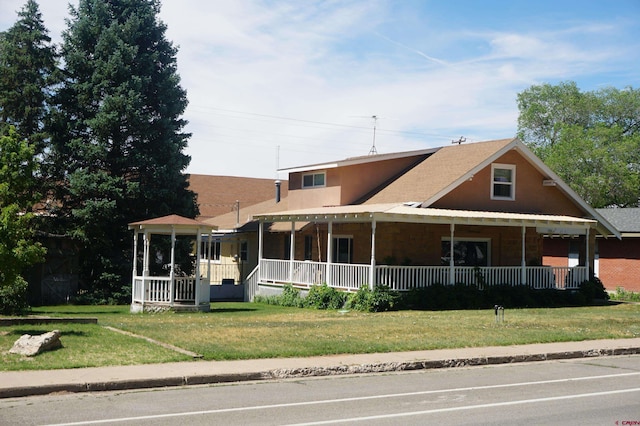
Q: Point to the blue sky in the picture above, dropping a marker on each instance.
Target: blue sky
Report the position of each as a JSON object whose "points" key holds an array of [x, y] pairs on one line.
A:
{"points": [[290, 83]]}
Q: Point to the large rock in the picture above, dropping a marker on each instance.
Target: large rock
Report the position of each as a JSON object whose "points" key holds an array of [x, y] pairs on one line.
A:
{"points": [[33, 345]]}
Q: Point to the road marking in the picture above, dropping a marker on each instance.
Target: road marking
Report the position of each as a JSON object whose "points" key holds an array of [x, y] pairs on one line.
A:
{"points": [[468, 407], [364, 398]]}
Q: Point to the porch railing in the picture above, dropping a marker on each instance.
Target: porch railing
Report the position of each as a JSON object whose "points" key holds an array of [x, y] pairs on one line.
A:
{"points": [[404, 278], [158, 290]]}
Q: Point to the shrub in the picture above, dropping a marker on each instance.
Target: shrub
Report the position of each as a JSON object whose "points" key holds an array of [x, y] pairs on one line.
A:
{"points": [[13, 297], [625, 296], [290, 296], [380, 299], [325, 297]]}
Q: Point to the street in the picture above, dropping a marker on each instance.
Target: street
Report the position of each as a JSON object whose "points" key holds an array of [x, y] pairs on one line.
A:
{"points": [[599, 391]]}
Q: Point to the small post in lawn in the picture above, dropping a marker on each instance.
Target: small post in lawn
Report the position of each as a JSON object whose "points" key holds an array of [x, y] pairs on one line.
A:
{"points": [[499, 312]]}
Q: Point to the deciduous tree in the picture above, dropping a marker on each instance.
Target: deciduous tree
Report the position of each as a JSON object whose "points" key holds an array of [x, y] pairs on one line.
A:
{"points": [[591, 139]]}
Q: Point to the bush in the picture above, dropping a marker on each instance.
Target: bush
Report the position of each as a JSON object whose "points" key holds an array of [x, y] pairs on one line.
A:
{"points": [[623, 295], [325, 297], [380, 299], [13, 297]]}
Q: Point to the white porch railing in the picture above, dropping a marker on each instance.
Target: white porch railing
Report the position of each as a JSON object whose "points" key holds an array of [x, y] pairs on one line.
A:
{"points": [[403, 278], [158, 290]]}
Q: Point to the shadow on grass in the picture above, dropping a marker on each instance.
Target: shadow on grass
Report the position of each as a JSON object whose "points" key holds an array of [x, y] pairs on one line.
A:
{"points": [[38, 332], [222, 310]]}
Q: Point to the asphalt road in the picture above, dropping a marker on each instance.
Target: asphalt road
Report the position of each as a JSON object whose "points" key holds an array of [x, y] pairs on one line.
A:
{"points": [[599, 391]]}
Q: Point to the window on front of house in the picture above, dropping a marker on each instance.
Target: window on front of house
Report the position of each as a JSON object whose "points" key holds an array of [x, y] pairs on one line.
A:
{"points": [[343, 249], [215, 250], [313, 180], [308, 247], [466, 252], [503, 182], [244, 251]]}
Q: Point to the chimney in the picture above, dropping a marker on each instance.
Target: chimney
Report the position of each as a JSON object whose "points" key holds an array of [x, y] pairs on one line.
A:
{"points": [[278, 191]]}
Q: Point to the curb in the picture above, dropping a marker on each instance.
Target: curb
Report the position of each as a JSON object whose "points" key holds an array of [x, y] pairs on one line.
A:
{"points": [[121, 385]]}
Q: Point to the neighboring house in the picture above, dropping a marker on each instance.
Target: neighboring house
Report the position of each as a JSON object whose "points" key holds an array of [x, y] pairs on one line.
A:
{"points": [[218, 195], [618, 261], [473, 213]]}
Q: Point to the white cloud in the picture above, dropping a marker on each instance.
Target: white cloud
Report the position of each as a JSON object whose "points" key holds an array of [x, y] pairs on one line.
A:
{"points": [[340, 62]]}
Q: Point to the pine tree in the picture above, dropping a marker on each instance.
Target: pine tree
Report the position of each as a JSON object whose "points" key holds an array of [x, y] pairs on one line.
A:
{"points": [[27, 74], [118, 135]]}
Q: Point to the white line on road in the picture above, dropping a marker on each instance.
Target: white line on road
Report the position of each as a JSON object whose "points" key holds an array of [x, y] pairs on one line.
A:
{"points": [[468, 407], [363, 398]]}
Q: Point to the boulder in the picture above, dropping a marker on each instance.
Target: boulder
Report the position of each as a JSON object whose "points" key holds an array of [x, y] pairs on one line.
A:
{"points": [[33, 345]]}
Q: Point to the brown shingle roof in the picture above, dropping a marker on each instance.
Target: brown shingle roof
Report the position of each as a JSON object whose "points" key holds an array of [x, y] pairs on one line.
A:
{"points": [[438, 173], [228, 220], [217, 195]]}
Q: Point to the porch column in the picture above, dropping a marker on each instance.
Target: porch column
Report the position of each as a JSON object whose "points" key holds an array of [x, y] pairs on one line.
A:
{"points": [[586, 255], [172, 274], [452, 278], [260, 243], [292, 250], [145, 253], [329, 249], [523, 276], [197, 272], [210, 236], [372, 270], [135, 264]]}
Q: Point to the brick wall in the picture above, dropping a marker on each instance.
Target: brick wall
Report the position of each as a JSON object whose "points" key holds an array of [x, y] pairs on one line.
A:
{"points": [[620, 263]]}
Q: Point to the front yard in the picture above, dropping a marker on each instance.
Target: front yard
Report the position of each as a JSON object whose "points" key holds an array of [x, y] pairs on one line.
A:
{"points": [[254, 330]]}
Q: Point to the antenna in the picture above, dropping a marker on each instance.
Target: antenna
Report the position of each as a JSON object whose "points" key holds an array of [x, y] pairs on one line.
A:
{"points": [[373, 150], [459, 141]]}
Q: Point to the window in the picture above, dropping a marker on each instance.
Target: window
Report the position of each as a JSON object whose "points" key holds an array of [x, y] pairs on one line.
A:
{"points": [[503, 182], [469, 252], [244, 251], [342, 249], [215, 250], [313, 180]]}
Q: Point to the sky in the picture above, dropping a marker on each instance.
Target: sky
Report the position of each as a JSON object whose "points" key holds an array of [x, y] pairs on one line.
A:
{"points": [[275, 84]]}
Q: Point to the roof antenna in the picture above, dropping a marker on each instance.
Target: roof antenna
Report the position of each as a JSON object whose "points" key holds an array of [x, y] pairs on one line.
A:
{"points": [[373, 150], [459, 141]]}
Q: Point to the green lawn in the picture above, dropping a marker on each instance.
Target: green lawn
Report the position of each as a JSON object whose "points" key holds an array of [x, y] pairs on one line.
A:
{"points": [[252, 330]]}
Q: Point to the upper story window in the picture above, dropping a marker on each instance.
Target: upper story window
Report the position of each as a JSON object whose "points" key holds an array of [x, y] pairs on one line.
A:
{"points": [[503, 182], [313, 180]]}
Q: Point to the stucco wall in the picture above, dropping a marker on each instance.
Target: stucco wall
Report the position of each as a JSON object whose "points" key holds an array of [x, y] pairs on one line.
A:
{"points": [[530, 197]]}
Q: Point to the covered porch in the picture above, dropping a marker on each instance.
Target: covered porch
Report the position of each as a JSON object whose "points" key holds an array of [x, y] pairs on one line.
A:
{"points": [[175, 290], [350, 276]]}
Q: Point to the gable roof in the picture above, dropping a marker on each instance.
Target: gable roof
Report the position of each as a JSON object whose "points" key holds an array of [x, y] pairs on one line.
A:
{"points": [[217, 195], [439, 173], [626, 220], [235, 220], [165, 224]]}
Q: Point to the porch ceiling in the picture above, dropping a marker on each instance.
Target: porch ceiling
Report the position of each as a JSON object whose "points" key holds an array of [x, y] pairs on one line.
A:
{"points": [[403, 213]]}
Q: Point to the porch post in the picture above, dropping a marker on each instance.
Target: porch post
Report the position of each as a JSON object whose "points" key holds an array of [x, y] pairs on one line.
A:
{"points": [[172, 274], [452, 278], [145, 254], [586, 255], [260, 242], [198, 254], [329, 249], [372, 270], [292, 250], [523, 276], [210, 236], [135, 265]]}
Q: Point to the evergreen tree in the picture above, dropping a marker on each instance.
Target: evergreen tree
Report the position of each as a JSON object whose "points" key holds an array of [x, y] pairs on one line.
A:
{"points": [[27, 74], [118, 135]]}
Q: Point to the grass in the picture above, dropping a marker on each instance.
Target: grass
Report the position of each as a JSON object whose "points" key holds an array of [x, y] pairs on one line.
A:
{"points": [[254, 330]]}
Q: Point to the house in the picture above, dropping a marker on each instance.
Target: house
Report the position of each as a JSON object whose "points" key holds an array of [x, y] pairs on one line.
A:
{"points": [[218, 195], [617, 262], [474, 213]]}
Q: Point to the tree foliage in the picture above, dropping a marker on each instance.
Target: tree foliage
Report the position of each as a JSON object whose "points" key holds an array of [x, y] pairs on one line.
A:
{"points": [[590, 139], [18, 248], [117, 133], [27, 74]]}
